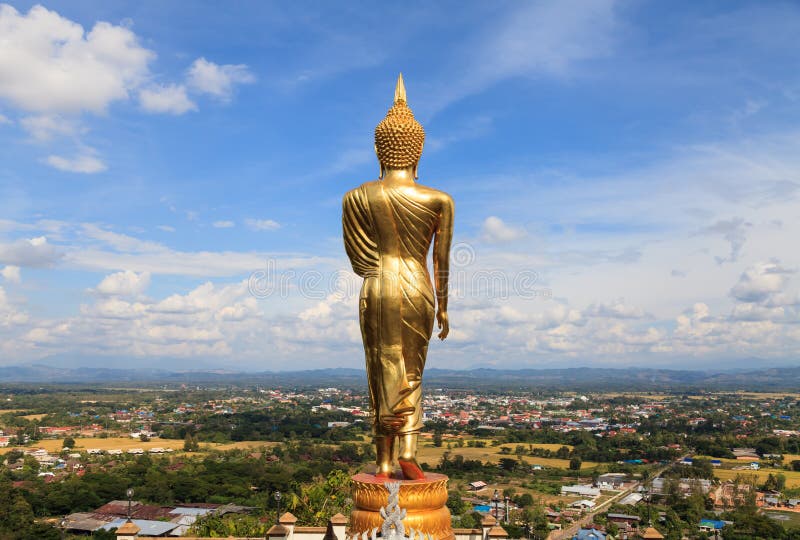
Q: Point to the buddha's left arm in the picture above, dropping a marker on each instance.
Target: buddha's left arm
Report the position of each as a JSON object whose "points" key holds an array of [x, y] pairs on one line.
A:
{"points": [[441, 262]]}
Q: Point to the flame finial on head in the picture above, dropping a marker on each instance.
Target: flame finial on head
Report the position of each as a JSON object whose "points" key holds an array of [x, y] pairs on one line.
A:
{"points": [[399, 137], [400, 90]]}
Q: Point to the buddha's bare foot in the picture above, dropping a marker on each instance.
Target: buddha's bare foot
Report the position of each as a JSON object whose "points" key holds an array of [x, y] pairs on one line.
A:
{"points": [[383, 474], [411, 469]]}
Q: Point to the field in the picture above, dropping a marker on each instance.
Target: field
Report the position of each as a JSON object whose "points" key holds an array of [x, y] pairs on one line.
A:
{"points": [[787, 519], [111, 443], [432, 456], [792, 477], [126, 443], [546, 446]]}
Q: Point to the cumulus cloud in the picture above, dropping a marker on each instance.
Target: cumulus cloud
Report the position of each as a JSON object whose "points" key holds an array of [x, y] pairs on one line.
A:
{"points": [[32, 252], [11, 274], [263, 224], [615, 310], [495, 229], [217, 80], [126, 283], [169, 99], [224, 224], [210, 320], [50, 64], [760, 281], [84, 163]]}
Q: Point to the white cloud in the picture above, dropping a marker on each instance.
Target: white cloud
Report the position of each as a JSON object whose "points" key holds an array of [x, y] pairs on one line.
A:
{"points": [[615, 310], [9, 315], [759, 282], [263, 224], [538, 38], [32, 252], [734, 231], [126, 283], [4, 119], [170, 99], [217, 80], [224, 224], [11, 274], [44, 127], [85, 163], [208, 321], [495, 229], [50, 64], [165, 228]]}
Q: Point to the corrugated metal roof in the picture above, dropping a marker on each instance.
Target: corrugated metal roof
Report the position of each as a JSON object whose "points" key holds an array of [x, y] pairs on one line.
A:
{"points": [[148, 527], [84, 521], [186, 511]]}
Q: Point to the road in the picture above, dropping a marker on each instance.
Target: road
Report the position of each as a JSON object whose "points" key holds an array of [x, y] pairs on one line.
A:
{"points": [[570, 531]]}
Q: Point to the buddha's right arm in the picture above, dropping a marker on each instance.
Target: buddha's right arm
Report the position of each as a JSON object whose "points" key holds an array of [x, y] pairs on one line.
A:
{"points": [[357, 234]]}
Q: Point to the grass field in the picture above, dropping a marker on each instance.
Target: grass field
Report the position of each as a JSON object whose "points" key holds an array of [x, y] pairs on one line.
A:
{"points": [[240, 445], [34, 416], [792, 477], [787, 519], [726, 461], [546, 446], [433, 455], [126, 443], [112, 443]]}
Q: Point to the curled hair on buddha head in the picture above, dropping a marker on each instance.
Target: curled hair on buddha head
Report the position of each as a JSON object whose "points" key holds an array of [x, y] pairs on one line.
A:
{"points": [[399, 137]]}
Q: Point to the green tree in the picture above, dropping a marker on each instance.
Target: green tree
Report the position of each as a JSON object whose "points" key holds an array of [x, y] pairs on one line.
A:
{"points": [[456, 504], [69, 442], [575, 464], [437, 438]]}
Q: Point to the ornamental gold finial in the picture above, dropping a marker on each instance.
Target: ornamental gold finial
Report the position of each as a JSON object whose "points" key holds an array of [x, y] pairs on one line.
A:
{"points": [[399, 137], [400, 90]]}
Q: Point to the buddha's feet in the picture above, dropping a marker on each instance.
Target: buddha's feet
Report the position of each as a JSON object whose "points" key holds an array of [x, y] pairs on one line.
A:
{"points": [[411, 469]]}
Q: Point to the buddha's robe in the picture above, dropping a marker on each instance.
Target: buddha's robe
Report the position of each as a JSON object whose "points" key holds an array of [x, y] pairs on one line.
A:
{"points": [[387, 235]]}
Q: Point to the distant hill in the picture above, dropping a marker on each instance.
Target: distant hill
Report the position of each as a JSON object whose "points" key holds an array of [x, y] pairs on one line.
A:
{"points": [[578, 379]]}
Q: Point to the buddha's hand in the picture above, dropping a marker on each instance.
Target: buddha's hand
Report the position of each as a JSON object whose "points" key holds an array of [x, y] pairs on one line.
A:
{"points": [[444, 324]]}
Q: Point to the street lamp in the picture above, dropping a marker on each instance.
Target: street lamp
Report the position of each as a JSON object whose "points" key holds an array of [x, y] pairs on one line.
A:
{"points": [[63, 525], [506, 512], [496, 501], [278, 496], [129, 493]]}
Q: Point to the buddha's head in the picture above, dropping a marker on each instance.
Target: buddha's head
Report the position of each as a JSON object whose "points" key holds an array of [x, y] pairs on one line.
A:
{"points": [[399, 137]]}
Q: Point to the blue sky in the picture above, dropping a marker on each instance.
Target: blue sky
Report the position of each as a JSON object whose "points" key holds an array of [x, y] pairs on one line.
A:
{"points": [[625, 174]]}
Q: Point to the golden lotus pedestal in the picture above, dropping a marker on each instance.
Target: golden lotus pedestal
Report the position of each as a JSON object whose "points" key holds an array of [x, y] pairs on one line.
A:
{"points": [[424, 500]]}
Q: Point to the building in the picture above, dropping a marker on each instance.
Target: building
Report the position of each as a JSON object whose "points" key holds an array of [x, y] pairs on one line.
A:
{"points": [[579, 490], [589, 534], [711, 525], [651, 534], [610, 481], [620, 519]]}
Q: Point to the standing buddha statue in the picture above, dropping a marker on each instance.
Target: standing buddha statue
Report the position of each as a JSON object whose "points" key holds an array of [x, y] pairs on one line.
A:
{"points": [[389, 225]]}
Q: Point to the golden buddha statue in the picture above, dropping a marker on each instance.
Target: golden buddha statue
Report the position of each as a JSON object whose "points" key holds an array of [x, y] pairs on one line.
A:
{"points": [[389, 225]]}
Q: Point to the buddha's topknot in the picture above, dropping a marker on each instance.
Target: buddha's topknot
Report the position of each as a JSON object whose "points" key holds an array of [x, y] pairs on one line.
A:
{"points": [[399, 137]]}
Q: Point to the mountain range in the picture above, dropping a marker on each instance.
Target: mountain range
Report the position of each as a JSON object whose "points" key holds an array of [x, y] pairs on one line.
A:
{"points": [[578, 379]]}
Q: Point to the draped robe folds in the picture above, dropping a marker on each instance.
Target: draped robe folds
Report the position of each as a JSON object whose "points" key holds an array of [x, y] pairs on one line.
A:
{"points": [[387, 235]]}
